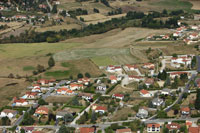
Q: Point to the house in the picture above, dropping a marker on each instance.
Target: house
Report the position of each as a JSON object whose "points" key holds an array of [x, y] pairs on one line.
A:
{"points": [[86, 130], [118, 96], [126, 130], [165, 91], [56, 2], [178, 74], [28, 129], [129, 67], [153, 127], [61, 114], [165, 37], [64, 91], [181, 60], [101, 87], [30, 95], [177, 34], [113, 79], [194, 129], [99, 109], [8, 113], [84, 81], [185, 110], [157, 102], [148, 66], [52, 82], [36, 89], [74, 86], [173, 126], [149, 81], [20, 102], [41, 111], [193, 36], [145, 93], [112, 68], [135, 78], [43, 81], [86, 96], [142, 113]]}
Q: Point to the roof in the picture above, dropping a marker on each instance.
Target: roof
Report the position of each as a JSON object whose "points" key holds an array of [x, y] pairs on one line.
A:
{"points": [[123, 130], [9, 111], [118, 95], [28, 128], [32, 93], [113, 77], [131, 66], [144, 91], [85, 94], [173, 126], [101, 108], [149, 81], [134, 76], [153, 125], [194, 130], [87, 130], [19, 101], [178, 73], [186, 109], [42, 108]]}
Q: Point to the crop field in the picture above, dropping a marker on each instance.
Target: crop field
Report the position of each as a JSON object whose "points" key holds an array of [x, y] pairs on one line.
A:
{"points": [[196, 4]]}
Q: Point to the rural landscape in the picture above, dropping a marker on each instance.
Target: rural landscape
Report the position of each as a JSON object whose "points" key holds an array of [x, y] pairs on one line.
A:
{"points": [[100, 66]]}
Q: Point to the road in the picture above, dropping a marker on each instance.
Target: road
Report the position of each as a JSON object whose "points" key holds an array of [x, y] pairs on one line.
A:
{"points": [[198, 63], [19, 120], [163, 62], [79, 115], [50, 6]]}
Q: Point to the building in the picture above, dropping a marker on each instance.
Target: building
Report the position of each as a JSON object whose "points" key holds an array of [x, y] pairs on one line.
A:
{"points": [[20, 102], [185, 110], [85, 81], [153, 127], [61, 114], [86, 96], [101, 87], [148, 66], [129, 67], [173, 126], [41, 111], [145, 93], [74, 86], [86, 130], [113, 79], [8, 113], [135, 78], [157, 102], [178, 74], [194, 129], [99, 109], [149, 81], [118, 96], [64, 91], [30, 95], [165, 91], [126, 130], [142, 113]]}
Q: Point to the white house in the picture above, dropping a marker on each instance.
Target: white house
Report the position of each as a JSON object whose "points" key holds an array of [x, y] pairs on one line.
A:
{"points": [[36, 89], [185, 110], [86, 96], [153, 127], [165, 91], [113, 79], [8, 113], [84, 81], [157, 102], [135, 78], [129, 67], [145, 93], [112, 68], [30, 95], [75, 86], [101, 87], [99, 109], [20, 102], [118, 96]]}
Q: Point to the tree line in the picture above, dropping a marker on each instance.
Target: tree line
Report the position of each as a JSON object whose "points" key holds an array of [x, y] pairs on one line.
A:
{"points": [[132, 19]]}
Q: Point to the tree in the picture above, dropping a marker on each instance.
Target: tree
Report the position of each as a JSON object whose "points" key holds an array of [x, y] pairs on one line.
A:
{"points": [[28, 120], [80, 75], [5, 121], [68, 118], [10, 75], [96, 10], [87, 75], [22, 130], [93, 117], [51, 62], [63, 129], [54, 10], [40, 68], [42, 102], [167, 81], [162, 114], [197, 103]]}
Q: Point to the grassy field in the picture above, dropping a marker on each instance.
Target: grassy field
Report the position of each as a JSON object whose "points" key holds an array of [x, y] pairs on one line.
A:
{"points": [[28, 68], [104, 61], [174, 4]]}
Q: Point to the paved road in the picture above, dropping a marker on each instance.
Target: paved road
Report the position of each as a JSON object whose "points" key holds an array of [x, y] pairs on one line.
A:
{"points": [[79, 115], [198, 63]]}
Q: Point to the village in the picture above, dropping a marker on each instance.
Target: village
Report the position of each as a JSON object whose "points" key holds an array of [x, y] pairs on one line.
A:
{"points": [[137, 91]]}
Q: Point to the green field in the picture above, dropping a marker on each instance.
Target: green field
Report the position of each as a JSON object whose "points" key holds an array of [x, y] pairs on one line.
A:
{"points": [[104, 61], [57, 74], [28, 68], [10, 51], [173, 5]]}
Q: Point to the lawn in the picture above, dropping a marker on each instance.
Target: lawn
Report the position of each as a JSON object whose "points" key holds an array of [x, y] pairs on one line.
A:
{"points": [[173, 4], [28, 68], [104, 61], [10, 51], [57, 74]]}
